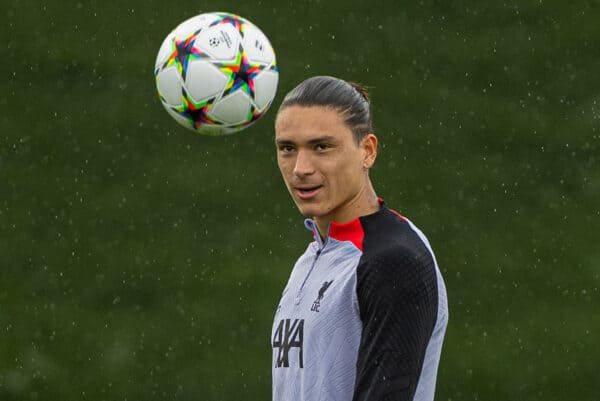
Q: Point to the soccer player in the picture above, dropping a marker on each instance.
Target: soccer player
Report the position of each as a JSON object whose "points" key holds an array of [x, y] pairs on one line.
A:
{"points": [[364, 312]]}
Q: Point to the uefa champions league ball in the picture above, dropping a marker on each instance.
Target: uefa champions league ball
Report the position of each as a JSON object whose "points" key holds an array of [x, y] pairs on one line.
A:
{"points": [[216, 73]]}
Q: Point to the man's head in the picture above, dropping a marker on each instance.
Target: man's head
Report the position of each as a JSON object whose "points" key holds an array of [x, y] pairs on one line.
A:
{"points": [[326, 147], [348, 98]]}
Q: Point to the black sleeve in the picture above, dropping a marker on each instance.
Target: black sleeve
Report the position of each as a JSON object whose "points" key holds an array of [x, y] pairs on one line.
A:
{"points": [[397, 297]]}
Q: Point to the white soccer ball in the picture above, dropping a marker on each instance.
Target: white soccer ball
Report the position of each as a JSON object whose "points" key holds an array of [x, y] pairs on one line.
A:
{"points": [[216, 73]]}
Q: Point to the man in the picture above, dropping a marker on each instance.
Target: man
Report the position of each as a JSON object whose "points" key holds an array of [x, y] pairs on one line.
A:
{"points": [[364, 312]]}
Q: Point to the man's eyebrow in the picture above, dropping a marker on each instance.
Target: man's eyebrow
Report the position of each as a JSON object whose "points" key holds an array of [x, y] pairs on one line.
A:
{"points": [[284, 141], [320, 139]]}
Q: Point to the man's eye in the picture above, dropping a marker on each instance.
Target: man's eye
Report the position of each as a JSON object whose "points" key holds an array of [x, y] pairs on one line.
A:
{"points": [[321, 146], [286, 148]]}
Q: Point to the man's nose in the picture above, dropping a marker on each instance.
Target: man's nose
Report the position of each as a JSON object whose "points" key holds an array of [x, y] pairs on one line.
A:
{"points": [[304, 165]]}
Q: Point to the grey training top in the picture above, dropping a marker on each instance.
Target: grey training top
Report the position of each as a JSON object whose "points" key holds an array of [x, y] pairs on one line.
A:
{"points": [[363, 315]]}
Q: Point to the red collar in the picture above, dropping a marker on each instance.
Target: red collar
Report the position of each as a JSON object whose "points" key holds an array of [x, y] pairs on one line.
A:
{"points": [[351, 231]]}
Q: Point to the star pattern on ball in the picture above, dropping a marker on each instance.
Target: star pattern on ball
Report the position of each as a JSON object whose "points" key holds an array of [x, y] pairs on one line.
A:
{"points": [[232, 19], [241, 73], [182, 52], [196, 113]]}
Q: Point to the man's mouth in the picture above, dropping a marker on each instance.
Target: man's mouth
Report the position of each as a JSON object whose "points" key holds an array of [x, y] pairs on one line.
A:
{"points": [[306, 193]]}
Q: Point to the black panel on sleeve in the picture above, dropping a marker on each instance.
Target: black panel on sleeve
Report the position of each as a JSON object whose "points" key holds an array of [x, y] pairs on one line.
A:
{"points": [[397, 296]]}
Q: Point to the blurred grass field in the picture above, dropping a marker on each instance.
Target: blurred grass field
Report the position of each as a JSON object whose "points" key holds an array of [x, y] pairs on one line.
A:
{"points": [[141, 261]]}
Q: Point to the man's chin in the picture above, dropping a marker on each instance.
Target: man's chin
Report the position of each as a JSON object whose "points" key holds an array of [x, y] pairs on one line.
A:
{"points": [[312, 211], [307, 210]]}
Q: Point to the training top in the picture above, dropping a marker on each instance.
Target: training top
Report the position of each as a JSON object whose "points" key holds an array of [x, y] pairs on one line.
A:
{"points": [[362, 316]]}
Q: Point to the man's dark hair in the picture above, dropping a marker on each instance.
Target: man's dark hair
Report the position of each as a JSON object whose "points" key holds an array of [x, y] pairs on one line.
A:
{"points": [[348, 98]]}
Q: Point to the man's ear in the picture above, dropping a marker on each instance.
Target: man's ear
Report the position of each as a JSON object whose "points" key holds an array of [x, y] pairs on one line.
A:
{"points": [[369, 145]]}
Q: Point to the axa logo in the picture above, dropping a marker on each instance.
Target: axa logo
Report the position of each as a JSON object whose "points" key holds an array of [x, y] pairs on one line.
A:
{"points": [[317, 304], [289, 336]]}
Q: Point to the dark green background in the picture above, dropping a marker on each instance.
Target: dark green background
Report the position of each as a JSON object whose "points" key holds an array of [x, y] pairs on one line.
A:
{"points": [[142, 261]]}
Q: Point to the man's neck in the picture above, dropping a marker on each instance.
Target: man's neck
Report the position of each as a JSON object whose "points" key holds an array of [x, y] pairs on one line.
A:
{"points": [[366, 204]]}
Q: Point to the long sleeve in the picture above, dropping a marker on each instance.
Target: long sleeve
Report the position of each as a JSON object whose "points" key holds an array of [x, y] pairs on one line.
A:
{"points": [[398, 302]]}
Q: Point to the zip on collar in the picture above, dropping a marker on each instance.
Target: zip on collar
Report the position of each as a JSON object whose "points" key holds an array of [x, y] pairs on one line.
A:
{"points": [[351, 231], [312, 226]]}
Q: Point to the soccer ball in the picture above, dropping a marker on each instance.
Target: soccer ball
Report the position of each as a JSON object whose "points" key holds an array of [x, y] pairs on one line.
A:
{"points": [[216, 73]]}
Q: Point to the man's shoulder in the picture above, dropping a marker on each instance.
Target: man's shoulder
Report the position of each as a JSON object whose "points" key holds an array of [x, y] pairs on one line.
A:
{"points": [[395, 252], [390, 236]]}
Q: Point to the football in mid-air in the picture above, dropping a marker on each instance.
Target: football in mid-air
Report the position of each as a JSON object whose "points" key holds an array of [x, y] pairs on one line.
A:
{"points": [[216, 73]]}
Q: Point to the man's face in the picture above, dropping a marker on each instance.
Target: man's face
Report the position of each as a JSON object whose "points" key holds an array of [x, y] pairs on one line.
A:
{"points": [[324, 168]]}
